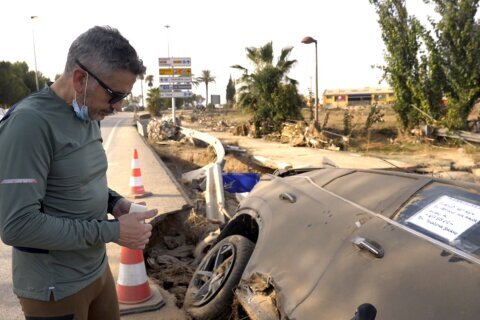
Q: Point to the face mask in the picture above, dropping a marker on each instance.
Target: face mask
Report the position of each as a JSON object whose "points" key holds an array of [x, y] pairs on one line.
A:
{"points": [[81, 112]]}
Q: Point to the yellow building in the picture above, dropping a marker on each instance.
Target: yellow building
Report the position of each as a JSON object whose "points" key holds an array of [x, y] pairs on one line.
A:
{"points": [[341, 98]]}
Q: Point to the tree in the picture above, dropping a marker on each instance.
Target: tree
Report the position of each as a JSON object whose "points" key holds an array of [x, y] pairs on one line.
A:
{"points": [[149, 80], [17, 82], [154, 102], [268, 92], [422, 69], [12, 87], [142, 79], [408, 68], [458, 36], [230, 94], [206, 78]]}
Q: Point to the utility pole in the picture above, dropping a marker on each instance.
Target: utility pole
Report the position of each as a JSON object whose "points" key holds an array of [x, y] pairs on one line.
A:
{"points": [[34, 50], [308, 40], [171, 61]]}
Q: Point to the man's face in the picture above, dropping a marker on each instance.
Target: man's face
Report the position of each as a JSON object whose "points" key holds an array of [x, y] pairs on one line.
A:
{"points": [[99, 100]]}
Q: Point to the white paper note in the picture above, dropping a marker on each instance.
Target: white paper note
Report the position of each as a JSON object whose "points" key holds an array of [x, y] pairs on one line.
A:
{"points": [[447, 217]]}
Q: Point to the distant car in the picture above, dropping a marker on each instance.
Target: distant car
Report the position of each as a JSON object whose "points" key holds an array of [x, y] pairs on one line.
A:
{"points": [[129, 108], [330, 243], [200, 107]]}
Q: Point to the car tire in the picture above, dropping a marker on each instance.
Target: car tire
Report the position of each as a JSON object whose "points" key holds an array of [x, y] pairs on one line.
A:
{"points": [[211, 290]]}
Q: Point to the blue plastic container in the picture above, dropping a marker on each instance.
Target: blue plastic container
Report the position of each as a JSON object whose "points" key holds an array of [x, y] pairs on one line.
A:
{"points": [[239, 182]]}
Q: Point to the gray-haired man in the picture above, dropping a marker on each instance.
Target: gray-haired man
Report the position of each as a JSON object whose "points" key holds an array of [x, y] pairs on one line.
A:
{"points": [[54, 197]]}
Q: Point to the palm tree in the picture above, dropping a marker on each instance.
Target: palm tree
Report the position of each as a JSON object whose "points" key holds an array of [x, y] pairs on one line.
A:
{"points": [[268, 92], [149, 80], [142, 78], [154, 101], [206, 78]]}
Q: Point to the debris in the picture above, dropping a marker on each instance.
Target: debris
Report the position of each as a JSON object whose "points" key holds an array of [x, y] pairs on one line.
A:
{"points": [[174, 242], [461, 135], [234, 149], [162, 129], [269, 163], [258, 297]]}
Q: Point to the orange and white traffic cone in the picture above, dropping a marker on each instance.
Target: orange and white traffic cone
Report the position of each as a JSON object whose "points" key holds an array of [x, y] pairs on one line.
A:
{"points": [[132, 283], [136, 185]]}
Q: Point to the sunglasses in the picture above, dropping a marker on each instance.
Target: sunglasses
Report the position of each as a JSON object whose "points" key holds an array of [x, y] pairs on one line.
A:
{"points": [[115, 96]]}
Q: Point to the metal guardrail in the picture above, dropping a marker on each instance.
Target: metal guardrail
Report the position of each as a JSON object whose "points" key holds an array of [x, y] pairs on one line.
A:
{"points": [[212, 141], [214, 194]]}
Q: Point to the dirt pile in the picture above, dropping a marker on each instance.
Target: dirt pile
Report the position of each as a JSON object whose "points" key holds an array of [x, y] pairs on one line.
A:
{"points": [[171, 257]]}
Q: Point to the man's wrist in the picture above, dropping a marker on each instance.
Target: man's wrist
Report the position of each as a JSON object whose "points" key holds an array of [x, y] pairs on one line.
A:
{"points": [[112, 202]]}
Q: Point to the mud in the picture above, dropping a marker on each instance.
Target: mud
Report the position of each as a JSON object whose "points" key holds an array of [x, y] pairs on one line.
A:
{"points": [[170, 255]]}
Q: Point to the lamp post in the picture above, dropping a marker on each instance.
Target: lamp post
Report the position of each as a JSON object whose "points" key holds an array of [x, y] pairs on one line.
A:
{"points": [[171, 83], [141, 87], [308, 40], [34, 51]]}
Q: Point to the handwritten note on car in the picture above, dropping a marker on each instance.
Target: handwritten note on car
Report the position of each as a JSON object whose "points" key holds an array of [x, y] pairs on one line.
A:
{"points": [[447, 217]]}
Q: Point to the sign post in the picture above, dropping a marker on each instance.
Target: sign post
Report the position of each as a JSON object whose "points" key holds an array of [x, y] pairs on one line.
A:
{"points": [[179, 78]]}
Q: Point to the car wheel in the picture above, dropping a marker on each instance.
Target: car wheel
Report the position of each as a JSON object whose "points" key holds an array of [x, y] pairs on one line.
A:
{"points": [[210, 293]]}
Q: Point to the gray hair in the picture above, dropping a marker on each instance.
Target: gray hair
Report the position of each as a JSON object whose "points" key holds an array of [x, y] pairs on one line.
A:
{"points": [[106, 50]]}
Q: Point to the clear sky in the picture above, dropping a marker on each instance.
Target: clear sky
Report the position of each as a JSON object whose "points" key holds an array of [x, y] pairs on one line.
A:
{"points": [[214, 33]]}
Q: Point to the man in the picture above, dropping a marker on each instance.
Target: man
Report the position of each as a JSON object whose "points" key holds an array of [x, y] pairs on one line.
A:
{"points": [[54, 197]]}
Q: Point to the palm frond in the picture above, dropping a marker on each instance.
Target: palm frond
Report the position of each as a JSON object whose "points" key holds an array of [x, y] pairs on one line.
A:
{"points": [[239, 67]]}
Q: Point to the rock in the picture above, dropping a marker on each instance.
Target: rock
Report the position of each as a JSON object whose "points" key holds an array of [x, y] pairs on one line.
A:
{"points": [[298, 141]]}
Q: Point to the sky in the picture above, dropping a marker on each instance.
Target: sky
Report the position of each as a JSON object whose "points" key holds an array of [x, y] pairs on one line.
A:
{"points": [[213, 33]]}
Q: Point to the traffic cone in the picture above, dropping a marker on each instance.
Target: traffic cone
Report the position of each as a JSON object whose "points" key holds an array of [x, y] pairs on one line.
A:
{"points": [[136, 185], [132, 283]]}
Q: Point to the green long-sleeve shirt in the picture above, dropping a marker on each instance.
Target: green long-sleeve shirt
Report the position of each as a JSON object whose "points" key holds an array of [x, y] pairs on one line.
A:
{"points": [[53, 198]]}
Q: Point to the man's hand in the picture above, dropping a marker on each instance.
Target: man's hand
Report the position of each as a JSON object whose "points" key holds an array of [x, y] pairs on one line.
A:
{"points": [[121, 207], [134, 234]]}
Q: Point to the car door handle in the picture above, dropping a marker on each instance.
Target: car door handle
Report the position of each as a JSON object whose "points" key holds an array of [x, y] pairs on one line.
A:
{"points": [[371, 246], [288, 197]]}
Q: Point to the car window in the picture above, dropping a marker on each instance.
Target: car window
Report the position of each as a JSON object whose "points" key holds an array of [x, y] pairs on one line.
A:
{"points": [[381, 192], [447, 213]]}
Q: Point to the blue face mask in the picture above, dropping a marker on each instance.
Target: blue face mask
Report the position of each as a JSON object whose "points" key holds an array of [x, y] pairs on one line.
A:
{"points": [[81, 111]]}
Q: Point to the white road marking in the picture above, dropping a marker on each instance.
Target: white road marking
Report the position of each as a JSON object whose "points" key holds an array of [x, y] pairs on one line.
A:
{"points": [[106, 145]]}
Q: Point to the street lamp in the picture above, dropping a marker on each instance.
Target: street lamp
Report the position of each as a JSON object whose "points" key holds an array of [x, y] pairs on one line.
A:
{"points": [[308, 40], [34, 51], [171, 83]]}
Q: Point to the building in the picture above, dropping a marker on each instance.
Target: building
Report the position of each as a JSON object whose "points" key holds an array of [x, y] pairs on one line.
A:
{"points": [[342, 98]]}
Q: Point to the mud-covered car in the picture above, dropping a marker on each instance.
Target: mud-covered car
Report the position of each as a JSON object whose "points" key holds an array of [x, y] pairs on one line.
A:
{"points": [[340, 244]]}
